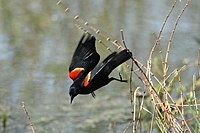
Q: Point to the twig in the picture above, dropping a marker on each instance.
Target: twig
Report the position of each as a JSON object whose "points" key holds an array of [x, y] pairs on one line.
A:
{"points": [[182, 108], [195, 117], [123, 39], [134, 110], [159, 38], [140, 110], [152, 74], [133, 100], [185, 105], [28, 117], [199, 61], [194, 94], [131, 97], [170, 40], [181, 70], [127, 127], [153, 117], [100, 41]]}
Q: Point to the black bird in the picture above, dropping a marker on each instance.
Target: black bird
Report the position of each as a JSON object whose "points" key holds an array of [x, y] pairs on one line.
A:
{"points": [[87, 76]]}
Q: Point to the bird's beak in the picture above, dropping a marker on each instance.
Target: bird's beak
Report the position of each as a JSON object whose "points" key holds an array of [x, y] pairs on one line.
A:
{"points": [[71, 99]]}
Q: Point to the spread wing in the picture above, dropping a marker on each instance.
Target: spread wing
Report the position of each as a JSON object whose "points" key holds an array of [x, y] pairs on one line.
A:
{"points": [[85, 57]]}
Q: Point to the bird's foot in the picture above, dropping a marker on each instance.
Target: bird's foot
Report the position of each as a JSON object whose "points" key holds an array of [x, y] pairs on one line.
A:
{"points": [[120, 80]]}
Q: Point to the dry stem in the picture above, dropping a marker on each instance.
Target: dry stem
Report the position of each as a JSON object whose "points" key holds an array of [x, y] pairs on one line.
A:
{"points": [[194, 94], [28, 117]]}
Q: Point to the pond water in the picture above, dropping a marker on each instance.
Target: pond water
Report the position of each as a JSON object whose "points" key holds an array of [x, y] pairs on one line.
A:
{"points": [[37, 40]]}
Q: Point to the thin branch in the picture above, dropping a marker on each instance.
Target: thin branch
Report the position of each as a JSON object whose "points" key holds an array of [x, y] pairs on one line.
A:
{"points": [[140, 110], [182, 108], [28, 117], [127, 127], [172, 35], [199, 61], [153, 117], [134, 110], [159, 38], [123, 39], [131, 97], [194, 94]]}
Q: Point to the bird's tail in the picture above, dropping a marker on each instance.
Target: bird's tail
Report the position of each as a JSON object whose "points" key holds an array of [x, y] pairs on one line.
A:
{"points": [[116, 60]]}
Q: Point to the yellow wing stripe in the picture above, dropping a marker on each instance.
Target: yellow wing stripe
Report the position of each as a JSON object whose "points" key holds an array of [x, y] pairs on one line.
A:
{"points": [[86, 81]]}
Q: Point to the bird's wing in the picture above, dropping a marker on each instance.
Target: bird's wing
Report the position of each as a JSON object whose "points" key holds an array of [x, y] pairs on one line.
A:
{"points": [[85, 57]]}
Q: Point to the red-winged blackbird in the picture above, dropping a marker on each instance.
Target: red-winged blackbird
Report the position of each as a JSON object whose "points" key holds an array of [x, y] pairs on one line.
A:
{"points": [[86, 76]]}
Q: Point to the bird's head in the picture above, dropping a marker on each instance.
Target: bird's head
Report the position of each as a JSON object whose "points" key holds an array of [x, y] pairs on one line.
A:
{"points": [[73, 93]]}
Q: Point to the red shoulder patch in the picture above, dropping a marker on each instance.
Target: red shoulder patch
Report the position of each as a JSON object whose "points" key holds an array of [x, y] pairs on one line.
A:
{"points": [[74, 73], [86, 81]]}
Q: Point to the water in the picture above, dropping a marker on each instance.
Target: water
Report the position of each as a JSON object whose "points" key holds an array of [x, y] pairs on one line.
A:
{"points": [[37, 40]]}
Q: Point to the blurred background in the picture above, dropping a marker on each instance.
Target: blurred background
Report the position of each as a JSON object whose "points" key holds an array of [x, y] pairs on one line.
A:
{"points": [[37, 40]]}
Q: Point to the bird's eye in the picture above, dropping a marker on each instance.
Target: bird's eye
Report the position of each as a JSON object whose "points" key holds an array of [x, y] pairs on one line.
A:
{"points": [[72, 91]]}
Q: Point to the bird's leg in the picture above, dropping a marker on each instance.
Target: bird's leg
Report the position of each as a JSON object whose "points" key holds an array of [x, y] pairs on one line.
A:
{"points": [[93, 94], [120, 76], [120, 80]]}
